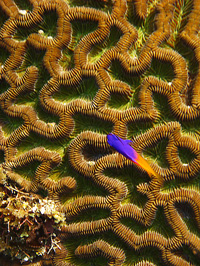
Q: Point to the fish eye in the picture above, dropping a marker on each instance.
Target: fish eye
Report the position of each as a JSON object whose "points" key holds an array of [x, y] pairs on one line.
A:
{"points": [[108, 136]]}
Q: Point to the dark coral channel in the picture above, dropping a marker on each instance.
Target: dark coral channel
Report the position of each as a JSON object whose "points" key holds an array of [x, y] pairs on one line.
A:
{"points": [[70, 73]]}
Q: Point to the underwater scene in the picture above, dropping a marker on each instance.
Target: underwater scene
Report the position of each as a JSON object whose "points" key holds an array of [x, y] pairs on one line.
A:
{"points": [[99, 132]]}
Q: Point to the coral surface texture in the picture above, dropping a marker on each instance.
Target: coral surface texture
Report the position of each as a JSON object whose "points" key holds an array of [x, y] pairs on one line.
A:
{"points": [[71, 72]]}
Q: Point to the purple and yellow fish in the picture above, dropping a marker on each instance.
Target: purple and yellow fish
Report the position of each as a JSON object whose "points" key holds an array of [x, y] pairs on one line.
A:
{"points": [[123, 146]]}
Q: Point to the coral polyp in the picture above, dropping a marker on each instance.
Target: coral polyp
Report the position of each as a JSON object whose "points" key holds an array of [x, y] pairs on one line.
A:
{"points": [[70, 73]]}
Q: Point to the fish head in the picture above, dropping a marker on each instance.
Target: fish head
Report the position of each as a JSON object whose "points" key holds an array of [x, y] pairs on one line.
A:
{"points": [[111, 138]]}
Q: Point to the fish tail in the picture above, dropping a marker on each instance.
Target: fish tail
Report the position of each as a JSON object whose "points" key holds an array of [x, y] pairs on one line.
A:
{"points": [[145, 165]]}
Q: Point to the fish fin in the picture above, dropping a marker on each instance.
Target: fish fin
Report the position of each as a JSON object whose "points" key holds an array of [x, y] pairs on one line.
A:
{"points": [[120, 139], [127, 141]]}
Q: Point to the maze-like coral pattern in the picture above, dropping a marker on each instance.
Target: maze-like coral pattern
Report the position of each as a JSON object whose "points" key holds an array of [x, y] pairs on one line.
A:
{"points": [[45, 101]]}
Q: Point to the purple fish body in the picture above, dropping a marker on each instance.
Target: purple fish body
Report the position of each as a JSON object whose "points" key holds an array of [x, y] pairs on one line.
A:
{"points": [[123, 146]]}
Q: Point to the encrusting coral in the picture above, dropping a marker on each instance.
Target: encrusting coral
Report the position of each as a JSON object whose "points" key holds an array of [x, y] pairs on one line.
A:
{"points": [[60, 85], [27, 220]]}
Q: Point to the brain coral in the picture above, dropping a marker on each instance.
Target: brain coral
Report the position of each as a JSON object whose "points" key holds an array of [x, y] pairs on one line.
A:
{"points": [[70, 73]]}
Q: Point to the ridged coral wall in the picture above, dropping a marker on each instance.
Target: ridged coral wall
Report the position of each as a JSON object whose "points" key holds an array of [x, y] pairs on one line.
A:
{"points": [[70, 73]]}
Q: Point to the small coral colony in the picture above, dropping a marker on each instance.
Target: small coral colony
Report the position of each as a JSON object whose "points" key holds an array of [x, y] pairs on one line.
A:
{"points": [[99, 132]]}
